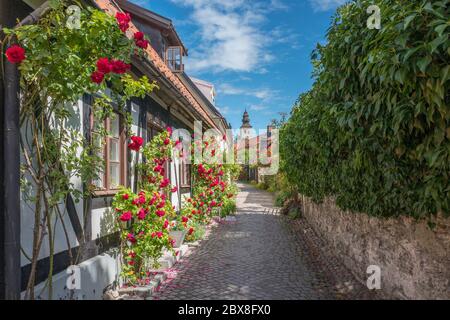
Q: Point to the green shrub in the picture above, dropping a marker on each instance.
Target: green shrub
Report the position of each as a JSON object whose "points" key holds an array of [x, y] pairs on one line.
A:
{"points": [[374, 132]]}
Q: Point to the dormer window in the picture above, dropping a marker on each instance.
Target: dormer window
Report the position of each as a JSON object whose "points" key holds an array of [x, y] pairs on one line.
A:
{"points": [[174, 59]]}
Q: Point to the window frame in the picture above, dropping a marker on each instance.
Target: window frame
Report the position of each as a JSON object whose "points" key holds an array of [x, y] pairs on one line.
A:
{"points": [[106, 190], [169, 61]]}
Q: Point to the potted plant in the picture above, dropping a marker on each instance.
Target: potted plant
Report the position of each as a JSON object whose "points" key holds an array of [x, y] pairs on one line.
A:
{"points": [[178, 230]]}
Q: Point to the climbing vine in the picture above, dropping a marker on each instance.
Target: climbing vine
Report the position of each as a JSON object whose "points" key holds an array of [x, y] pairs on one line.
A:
{"points": [[58, 65], [144, 218]]}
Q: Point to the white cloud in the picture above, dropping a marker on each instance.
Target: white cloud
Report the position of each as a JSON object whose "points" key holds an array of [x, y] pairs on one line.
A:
{"points": [[325, 5], [264, 94], [257, 107], [231, 34]]}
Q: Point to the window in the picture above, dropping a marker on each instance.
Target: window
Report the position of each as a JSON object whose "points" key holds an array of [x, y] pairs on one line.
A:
{"points": [[174, 59], [185, 175], [113, 152]]}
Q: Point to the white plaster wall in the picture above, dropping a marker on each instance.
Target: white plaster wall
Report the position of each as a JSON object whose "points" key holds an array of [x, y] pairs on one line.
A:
{"points": [[27, 208]]}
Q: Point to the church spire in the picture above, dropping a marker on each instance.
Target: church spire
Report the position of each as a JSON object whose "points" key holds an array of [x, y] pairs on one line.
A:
{"points": [[246, 120]]}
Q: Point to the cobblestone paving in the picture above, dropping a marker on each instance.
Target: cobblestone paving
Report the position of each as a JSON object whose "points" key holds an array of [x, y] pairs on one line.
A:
{"points": [[260, 256]]}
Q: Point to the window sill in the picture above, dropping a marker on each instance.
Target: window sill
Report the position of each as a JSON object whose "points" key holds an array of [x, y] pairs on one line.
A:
{"points": [[101, 193]]}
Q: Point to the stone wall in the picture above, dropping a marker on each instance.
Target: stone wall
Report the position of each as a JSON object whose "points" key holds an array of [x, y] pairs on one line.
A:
{"points": [[414, 260]]}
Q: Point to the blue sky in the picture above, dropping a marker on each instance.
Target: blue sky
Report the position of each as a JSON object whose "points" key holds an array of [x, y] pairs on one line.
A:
{"points": [[255, 52]]}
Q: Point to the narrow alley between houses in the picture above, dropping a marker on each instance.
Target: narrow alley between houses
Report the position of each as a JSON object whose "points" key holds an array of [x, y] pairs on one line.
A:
{"points": [[259, 255]]}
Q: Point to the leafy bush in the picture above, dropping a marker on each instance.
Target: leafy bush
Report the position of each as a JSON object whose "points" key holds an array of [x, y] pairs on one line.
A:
{"points": [[374, 132]]}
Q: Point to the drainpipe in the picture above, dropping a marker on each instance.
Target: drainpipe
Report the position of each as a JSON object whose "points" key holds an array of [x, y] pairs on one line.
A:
{"points": [[10, 268]]}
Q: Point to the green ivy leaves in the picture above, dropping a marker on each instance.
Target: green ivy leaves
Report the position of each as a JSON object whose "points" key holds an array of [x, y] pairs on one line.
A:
{"points": [[374, 131]]}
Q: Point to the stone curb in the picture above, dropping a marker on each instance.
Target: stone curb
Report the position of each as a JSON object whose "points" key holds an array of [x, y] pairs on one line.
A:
{"points": [[146, 292]]}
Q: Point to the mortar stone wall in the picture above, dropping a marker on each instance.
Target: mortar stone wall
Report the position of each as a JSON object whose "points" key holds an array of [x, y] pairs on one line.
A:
{"points": [[414, 259]]}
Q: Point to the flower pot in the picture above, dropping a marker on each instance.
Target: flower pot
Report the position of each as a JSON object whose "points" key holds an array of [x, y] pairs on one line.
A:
{"points": [[178, 236]]}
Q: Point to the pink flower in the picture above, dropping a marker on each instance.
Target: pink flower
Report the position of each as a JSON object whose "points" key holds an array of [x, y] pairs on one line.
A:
{"points": [[160, 213], [153, 200], [126, 216], [169, 129], [142, 214], [158, 168], [166, 224], [159, 234], [167, 141], [136, 143]]}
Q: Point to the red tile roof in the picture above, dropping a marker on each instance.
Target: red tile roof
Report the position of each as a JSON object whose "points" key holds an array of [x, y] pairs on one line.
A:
{"points": [[153, 56]]}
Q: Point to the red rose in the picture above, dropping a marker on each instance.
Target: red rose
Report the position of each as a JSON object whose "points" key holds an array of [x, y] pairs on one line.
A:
{"points": [[126, 216], [169, 129], [191, 231], [131, 238], [125, 196], [141, 199], [174, 189], [159, 234], [119, 67], [97, 77], [15, 54], [194, 212], [142, 44], [213, 204], [138, 35], [123, 19], [153, 200], [160, 213], [167, 141], [161, 205], [103, 65], [158, 168], [185, 219], [164, 183], [166, 224], [142, 214], [136, 144]]}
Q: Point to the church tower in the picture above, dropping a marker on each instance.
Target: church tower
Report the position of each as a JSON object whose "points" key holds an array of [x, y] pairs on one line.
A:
{"points": [[246, 126]]}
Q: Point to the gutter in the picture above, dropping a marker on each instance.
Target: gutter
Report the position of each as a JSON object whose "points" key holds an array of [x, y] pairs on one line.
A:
{"points": [[10, 282]]}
